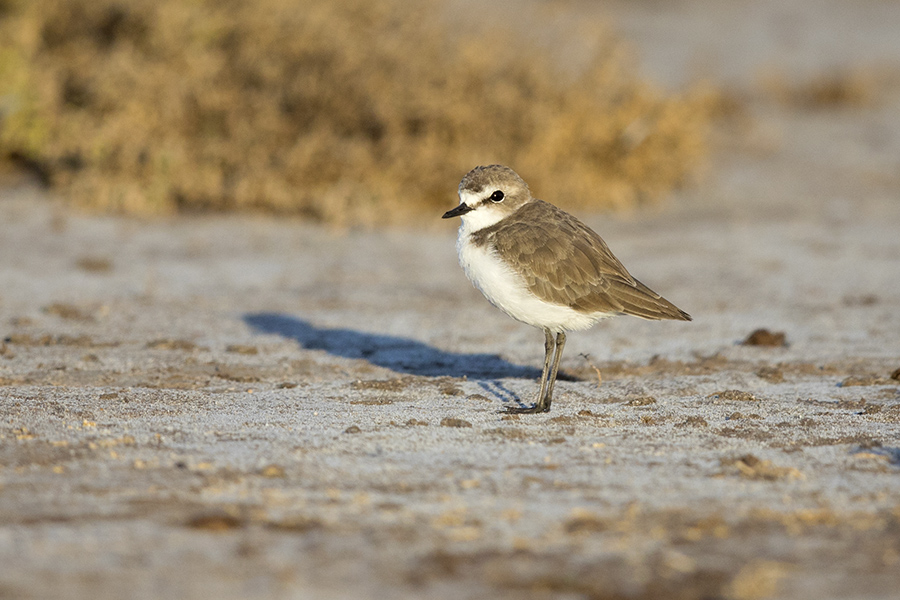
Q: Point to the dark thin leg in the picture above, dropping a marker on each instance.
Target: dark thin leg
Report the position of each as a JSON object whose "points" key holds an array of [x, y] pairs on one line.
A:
{"points": [[560, 344], [548, 351], [539, 404]]}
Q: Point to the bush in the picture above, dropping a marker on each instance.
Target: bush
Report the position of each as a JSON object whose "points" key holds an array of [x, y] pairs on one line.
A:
{"points": [[345, 112]]}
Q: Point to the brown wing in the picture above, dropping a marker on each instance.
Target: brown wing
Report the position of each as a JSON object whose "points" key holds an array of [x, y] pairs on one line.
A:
{"points": [[564, 262]]}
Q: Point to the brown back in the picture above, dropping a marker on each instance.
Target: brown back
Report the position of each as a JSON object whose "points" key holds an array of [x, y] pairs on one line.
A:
{"points": [[565, 262]]}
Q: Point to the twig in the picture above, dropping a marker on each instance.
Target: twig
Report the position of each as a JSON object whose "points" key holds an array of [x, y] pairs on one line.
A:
{"points": [[587, 359]]}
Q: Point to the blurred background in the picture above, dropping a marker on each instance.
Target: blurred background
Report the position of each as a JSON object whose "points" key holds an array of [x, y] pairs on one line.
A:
{"points": [[344, 112]]}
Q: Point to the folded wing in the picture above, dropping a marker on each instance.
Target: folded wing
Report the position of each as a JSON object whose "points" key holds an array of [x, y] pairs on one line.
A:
{"points": [[565, 262]]}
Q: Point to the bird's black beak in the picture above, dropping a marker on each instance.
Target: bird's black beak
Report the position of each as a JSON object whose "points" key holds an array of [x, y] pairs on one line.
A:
{"points": [[462, 209]]}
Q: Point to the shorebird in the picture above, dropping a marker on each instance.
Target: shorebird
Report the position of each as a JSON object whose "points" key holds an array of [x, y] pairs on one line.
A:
{"points": [[542, 266]]}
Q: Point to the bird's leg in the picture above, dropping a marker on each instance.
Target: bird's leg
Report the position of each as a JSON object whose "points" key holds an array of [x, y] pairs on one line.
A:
{"points": [[539, 404], [545, 383], [560, 344]]}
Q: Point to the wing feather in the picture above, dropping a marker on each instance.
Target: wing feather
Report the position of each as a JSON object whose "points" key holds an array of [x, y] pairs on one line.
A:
{"points": [[565, 262]]}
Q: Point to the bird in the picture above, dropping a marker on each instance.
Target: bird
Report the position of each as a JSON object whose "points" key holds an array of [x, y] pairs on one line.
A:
{"points": [[543, 267]]}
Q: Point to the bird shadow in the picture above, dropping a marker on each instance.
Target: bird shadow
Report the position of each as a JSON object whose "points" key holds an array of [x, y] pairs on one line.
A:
{"points": [[501, 392], [399, 354]]}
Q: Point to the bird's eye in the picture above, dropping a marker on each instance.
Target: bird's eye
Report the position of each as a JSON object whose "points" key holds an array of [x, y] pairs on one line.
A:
{"points": [[497, 196]]}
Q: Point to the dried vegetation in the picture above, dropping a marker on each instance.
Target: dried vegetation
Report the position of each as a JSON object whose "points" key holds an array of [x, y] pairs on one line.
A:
{"points": [[343, 112]]}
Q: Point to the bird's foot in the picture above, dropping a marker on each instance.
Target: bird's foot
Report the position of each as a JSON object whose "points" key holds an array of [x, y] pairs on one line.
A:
{"points": [[527, 410]]}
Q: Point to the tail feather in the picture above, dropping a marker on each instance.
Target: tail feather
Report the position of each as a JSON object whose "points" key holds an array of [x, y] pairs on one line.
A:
{"points": [[641, 301]]}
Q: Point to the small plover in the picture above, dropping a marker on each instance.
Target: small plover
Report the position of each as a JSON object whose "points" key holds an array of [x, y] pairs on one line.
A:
{"points": [[542, 266]]}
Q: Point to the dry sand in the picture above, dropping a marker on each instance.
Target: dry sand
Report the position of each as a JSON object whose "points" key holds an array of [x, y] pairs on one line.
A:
{"points": [[245, 408]]}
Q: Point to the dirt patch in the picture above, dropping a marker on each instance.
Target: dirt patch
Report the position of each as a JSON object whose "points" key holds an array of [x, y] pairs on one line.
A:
{"points": [[384, 385], [170, 344], [752, 467], [454, 422]]}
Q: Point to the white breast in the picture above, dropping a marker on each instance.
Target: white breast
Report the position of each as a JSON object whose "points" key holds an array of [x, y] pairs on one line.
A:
{"points": [[506, 290]]}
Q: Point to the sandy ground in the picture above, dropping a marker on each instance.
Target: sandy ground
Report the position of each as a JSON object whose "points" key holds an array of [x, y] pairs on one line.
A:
{"points": [[249, 408]]}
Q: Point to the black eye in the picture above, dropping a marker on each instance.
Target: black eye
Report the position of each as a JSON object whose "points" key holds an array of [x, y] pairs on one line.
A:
{"points": [[497, 196]]}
